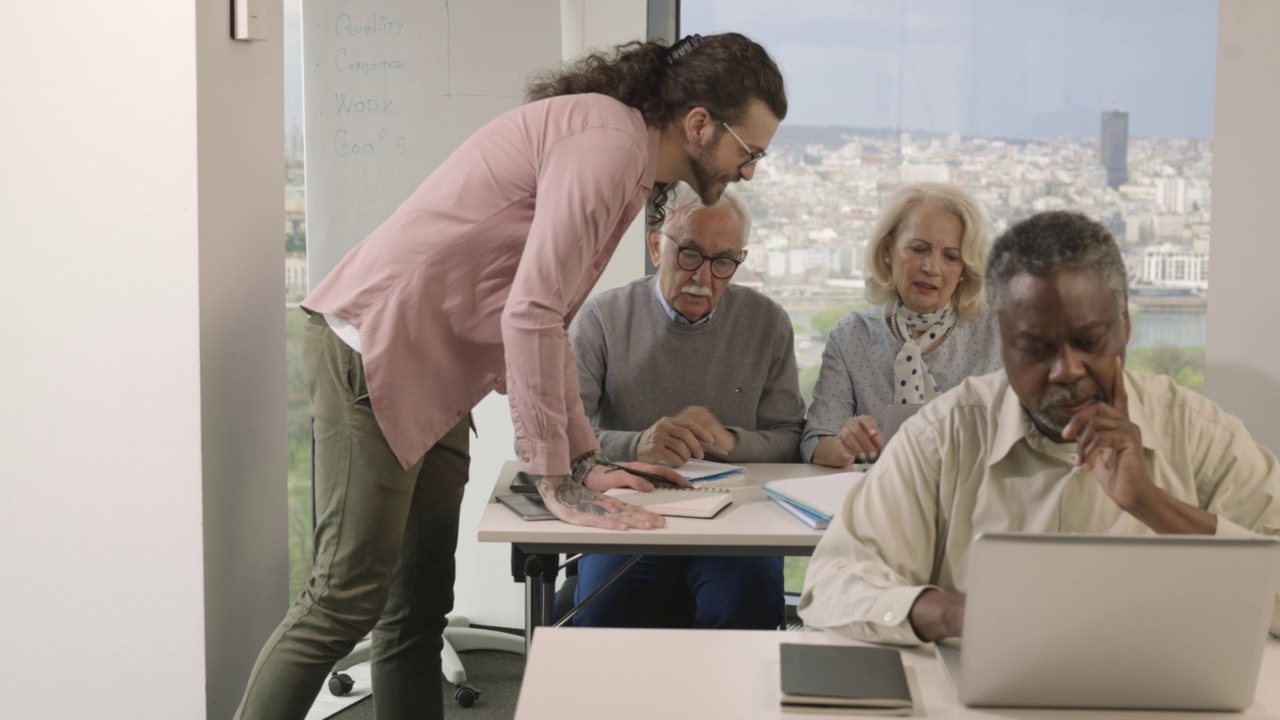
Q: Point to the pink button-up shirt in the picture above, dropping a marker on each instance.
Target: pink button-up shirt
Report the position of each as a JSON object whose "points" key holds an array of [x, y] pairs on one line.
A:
{"points": [[470, 285]]}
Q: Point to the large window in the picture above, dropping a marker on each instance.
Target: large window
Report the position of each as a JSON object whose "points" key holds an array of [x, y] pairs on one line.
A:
{"points": [[295, 276], [1093, 105]]}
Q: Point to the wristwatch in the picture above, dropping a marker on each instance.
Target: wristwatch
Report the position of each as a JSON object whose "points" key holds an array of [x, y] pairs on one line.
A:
{"points": [[582, 465]]}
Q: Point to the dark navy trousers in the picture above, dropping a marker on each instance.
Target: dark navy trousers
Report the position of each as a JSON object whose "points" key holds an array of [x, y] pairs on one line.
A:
{"points": [[682, 592]]}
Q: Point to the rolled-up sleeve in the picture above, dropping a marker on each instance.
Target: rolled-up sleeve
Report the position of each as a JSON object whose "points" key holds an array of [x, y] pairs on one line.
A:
{"points": [[877, 556], [585, 184]]}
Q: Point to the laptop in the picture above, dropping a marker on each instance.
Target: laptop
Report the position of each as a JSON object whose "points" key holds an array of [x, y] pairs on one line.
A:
{"points": [[1123, 622]]}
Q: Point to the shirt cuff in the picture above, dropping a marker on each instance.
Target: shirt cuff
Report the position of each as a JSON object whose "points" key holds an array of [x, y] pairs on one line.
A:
{"points": [[892, 612], [1226, 528], [543, 458], [885, 618]]}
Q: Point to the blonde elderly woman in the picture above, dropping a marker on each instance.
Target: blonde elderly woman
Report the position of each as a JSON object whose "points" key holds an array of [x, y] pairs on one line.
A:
{"points": [[926, 331]]}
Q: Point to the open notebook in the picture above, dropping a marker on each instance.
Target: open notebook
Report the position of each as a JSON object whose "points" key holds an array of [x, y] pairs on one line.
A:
{"points": [[677, 502]]}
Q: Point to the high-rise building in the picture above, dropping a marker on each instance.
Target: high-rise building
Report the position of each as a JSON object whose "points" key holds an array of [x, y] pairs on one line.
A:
{"points": [[1113, 146]]}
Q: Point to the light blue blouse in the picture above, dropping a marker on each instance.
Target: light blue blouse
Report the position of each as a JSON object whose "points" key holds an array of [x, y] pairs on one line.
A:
{"points": [[857, 369]]}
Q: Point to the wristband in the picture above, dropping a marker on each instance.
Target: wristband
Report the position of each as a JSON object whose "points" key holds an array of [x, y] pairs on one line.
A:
{"points": [[582, 465]]}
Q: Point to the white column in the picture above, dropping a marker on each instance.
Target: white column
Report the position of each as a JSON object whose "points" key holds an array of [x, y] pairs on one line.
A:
{"points": [[1241, 368], [142, 495]]}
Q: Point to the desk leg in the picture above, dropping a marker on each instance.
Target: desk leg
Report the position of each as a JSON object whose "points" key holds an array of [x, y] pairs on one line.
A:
{"points": [[539, 593], [596, 593]]}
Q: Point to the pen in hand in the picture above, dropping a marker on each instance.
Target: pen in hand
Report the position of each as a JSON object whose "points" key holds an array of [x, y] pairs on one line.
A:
{"points": [[713, 453], [651, 477]]}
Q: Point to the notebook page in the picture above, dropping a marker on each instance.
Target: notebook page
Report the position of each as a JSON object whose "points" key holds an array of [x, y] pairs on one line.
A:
{"points": [[676, 502]]}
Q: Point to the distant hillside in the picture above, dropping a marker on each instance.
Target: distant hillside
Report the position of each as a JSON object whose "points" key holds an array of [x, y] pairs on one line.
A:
{"points": [[836, 136]]}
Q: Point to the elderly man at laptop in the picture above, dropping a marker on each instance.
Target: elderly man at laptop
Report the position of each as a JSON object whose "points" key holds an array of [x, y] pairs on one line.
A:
{"points": [[666, 364], [1063, 440]]}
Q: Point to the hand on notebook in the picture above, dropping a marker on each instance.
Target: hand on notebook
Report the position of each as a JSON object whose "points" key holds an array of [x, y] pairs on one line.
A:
{"points": [[580, 505], [674, 440], [858, 440]]}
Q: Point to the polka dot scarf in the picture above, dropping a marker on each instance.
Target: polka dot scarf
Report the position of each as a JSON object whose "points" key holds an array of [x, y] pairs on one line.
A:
{"points": [[912, 383]]}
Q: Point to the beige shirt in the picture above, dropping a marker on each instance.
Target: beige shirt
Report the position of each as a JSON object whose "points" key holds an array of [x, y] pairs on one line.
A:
{"points": [[972, 462]]}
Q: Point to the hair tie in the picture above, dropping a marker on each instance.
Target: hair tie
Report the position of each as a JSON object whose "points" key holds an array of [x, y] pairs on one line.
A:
{"points": [[683, 47]]}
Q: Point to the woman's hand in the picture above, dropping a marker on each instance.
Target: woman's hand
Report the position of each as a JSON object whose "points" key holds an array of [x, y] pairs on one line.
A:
{"points": [[858, 440]]}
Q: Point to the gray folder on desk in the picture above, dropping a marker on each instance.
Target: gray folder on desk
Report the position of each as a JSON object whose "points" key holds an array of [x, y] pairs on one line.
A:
{"points": [[869, 678]]}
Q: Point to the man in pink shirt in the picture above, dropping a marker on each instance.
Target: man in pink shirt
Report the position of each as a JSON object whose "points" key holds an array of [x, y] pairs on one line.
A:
{"points": [[468, 288]]}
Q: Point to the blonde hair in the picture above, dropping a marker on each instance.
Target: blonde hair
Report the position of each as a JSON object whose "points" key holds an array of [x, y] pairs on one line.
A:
{"points": [[901, 214]]}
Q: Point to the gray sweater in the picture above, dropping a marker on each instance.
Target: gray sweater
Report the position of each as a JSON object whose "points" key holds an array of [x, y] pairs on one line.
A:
{"points": [[636, 365]]}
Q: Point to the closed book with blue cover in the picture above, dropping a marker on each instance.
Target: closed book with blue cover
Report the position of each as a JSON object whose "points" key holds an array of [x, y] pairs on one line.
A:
{"points": [[816, 522]]}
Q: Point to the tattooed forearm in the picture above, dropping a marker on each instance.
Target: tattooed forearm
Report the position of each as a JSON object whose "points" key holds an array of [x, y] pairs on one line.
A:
{"points": [[572, 495]]}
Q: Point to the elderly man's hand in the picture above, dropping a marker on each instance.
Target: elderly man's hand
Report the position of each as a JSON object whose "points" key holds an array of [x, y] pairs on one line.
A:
{"points": [[580, 505], [722, 437], [1110, 445], [673, 440]]}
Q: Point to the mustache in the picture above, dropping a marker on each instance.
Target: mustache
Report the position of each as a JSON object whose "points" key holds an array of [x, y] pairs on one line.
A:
{"points": [[696, 289], [1070, 396]]}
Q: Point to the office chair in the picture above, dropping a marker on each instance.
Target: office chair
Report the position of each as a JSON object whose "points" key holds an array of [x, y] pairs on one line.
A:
{"points": [[459, 636]]}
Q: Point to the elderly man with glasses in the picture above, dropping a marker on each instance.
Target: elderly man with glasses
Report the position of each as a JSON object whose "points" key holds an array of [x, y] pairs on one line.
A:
{"points": [[684, 365]]}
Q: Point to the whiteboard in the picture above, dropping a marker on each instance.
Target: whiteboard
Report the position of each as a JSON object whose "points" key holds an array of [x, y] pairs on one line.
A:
{"points": [[391, 87]]}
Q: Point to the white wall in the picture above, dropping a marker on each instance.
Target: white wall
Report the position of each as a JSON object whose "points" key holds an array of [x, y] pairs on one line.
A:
{"points": [[1241, 368], [484, 591], [142, 486]]}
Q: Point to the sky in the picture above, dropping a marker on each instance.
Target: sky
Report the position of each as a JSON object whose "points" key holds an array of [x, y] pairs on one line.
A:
{"points": [[995, 68], [1027, 69]]}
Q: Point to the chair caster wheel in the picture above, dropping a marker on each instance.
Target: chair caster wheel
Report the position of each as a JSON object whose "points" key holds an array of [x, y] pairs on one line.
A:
{"points": [[340, 684], [465, 695]]}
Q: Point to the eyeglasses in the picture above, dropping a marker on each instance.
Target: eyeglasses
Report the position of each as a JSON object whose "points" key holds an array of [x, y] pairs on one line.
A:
{"points": [[752, 157], [689, 260]]}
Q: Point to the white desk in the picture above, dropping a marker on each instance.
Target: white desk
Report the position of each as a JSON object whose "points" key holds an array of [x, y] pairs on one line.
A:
{"points": [[752, 525], [593, 673]]}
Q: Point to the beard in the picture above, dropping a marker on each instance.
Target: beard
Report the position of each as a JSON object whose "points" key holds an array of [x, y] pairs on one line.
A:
{"points": [[709, 188], [1055, 397]]}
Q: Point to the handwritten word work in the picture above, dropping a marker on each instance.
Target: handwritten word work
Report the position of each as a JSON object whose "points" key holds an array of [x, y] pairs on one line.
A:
{"points": [[367, 55]]}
